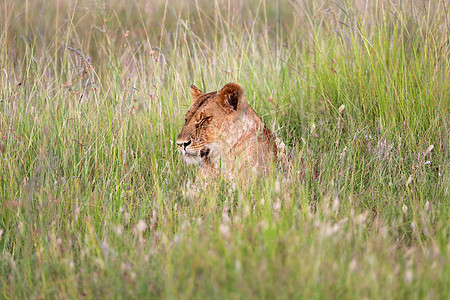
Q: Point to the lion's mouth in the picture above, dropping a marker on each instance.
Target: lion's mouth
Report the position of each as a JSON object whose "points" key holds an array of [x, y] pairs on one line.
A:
{"points": [[204, 152], [189, 152], [194, 157]]}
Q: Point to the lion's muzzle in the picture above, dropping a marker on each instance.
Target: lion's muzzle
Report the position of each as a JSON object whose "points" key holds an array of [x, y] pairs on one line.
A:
{"points": [[190, 154], [183, 144]]}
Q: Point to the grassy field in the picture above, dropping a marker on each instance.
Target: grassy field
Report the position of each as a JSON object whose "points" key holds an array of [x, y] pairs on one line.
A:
{"points": [[96, 203]]}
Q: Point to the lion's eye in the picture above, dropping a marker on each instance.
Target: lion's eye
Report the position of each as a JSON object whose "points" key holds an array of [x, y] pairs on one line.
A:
{"points": [[203, 120]]}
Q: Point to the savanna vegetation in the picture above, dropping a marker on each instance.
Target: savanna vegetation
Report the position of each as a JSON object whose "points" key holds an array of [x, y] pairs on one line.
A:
{"points": [[96, 203]]}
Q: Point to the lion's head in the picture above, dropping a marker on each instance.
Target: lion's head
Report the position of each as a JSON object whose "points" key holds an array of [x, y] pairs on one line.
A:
{"points": [[220, 127], [206, 118]]}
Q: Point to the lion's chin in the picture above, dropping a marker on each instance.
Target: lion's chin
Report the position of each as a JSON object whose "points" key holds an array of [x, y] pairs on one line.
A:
{"points": [[195, 157], [192, 159]]}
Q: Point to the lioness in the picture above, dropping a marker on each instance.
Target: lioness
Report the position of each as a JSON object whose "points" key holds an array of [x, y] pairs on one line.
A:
{"points": [[222, 133]]}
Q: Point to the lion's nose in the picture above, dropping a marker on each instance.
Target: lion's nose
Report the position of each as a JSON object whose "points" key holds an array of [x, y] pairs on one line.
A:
{"points": [[183, 144]]}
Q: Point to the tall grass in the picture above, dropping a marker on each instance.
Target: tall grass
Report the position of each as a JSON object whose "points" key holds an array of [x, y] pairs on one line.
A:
{"points": [[96, 203]]}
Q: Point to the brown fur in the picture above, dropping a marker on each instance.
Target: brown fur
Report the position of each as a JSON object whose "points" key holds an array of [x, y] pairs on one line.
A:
{"points": [[223, 133]]}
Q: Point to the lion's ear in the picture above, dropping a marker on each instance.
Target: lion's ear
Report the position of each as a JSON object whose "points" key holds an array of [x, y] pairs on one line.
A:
{"points": [[195, 93], [231, 96]]}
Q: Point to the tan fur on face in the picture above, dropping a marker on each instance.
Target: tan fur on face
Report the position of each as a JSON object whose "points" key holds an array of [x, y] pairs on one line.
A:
{"points": [[223, 133]]}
